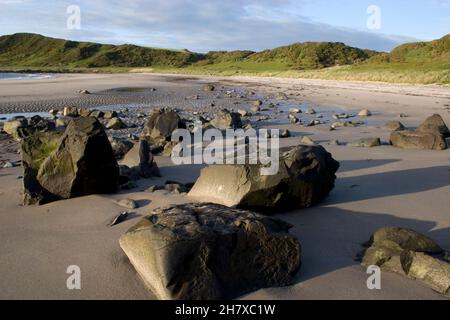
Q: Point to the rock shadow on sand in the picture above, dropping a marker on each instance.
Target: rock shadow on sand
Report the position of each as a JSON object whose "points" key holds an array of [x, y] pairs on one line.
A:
{"points": [[388, 184], [332, 237]]}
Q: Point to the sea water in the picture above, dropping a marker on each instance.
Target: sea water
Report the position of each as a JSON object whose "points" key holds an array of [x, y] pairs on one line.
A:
{"points": [[24, 76]]}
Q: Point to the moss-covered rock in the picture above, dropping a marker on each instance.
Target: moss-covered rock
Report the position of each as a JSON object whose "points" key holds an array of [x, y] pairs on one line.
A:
{"points": [[411, 254], [76, 163]]}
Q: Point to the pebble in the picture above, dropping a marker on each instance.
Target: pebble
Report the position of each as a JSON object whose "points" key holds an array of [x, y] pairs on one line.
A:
{"points": [[127, 203]]}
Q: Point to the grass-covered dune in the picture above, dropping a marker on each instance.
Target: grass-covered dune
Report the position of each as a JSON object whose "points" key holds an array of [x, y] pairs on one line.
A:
{"points": [[31, 50], [421, 62]]}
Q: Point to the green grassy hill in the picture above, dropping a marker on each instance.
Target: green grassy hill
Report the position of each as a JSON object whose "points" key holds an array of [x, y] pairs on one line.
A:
{"points": [[421, 62], [31, 50]]}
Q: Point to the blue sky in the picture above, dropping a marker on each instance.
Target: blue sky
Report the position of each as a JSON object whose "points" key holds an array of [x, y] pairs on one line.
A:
{"points": [[201, 26]]}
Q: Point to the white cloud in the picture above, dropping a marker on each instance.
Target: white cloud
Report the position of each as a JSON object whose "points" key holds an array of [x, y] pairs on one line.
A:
{"points": [[193, 24]]}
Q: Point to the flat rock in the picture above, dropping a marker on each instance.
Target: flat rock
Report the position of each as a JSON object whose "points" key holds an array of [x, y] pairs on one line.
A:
{"points": [[127, 203], [416, 140], [366, 143], [210, 252]]}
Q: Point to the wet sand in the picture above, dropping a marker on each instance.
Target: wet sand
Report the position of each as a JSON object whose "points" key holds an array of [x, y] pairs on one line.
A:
{"points": [[376, 187]]}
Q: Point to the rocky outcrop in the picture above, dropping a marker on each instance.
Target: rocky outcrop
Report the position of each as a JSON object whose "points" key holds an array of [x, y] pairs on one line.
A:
{"points": [[305, 177], [77, 163], [227, 120], [205, 251], [410, 254]]}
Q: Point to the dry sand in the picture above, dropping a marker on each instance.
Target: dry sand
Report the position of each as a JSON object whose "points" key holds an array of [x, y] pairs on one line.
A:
{"points": [[376, 187]]}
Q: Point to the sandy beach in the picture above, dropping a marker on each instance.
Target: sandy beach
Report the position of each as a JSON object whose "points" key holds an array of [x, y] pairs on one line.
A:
{"points": [[376, 187]]}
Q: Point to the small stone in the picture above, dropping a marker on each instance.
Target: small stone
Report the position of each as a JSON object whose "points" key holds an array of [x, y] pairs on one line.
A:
{"points": [[365, 113], [115, 124], [335, 143], [366, 143], [70, 112], [209, 87], [293, 119], [110, 114], [295, 110], [243, 113], [394, 126], [307, 141], [119, 219], [285, 134], [310, 111], [53, 112], [255, 109], [127, 203], [8, 164], [152, 189]]}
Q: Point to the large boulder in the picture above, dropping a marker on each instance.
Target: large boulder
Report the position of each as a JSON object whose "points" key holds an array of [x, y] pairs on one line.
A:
{"points": [[205, 251], [160, 126], [305, 177], [409, 253], [417, 140], [141, 160], [435, 125], [77, 163], [227, 120]]}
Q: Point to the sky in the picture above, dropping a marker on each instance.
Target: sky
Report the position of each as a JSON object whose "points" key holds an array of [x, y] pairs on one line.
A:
{"points": [[202, 26]]}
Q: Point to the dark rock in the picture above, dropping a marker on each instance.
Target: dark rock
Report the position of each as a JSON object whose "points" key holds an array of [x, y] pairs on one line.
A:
{"points": [[119, 219], [121, 147], [210, 252], [77, 163]]}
